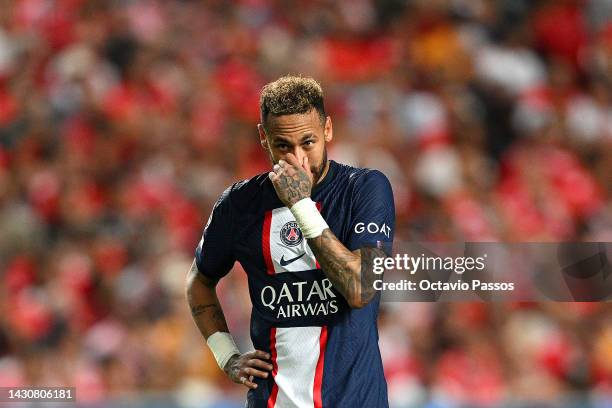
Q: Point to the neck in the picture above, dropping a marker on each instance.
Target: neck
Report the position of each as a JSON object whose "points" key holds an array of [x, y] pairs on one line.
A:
{"points": [[323, 173]]}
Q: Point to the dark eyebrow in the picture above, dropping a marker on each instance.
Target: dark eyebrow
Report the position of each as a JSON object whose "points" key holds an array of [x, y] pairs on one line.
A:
{"points": [[306, 136], [280, 139]]}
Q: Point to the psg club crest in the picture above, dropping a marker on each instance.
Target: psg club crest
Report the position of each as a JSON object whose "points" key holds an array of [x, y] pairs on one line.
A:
{"points": [[290, 234]]}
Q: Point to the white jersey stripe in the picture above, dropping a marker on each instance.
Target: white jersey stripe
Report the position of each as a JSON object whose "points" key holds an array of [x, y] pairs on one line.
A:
{"points": [[297, 354]]}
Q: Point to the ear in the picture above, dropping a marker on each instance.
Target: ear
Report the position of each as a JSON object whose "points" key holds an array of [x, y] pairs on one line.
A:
{"points": [[262, 136], [329, 130]]}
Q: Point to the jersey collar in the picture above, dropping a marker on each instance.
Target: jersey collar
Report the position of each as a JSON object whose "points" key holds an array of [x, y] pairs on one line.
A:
{"points": [[330, 175]]}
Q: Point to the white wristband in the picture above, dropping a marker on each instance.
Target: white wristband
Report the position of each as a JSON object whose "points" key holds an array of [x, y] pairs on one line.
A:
{"points": [[308, 218], [222, 346]]}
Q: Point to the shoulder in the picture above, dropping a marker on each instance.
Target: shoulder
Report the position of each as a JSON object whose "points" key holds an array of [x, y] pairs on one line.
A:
{"points": [[360, 177], [244, 191]]}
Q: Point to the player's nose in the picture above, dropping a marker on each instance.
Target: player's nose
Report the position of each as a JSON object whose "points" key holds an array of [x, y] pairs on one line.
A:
{"points": [[299, 155]]}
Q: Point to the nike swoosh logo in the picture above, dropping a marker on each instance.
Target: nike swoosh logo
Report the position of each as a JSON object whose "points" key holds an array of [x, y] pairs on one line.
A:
{"points": [[288, 261]]}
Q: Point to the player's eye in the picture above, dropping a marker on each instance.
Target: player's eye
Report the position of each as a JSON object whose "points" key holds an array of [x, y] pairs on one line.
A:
{"points": [[282, 146], [309, 143]]}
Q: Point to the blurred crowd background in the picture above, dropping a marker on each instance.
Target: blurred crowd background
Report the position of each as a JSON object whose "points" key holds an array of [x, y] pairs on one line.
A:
{"points": [[122, 121]]}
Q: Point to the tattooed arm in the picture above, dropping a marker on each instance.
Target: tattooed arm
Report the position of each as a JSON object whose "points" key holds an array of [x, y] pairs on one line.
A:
{"points": [[350, 272], [204, 304], [208, 316]]}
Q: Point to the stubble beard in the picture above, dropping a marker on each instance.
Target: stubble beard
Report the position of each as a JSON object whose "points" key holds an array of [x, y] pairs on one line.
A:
{"points": [[319, 170]]}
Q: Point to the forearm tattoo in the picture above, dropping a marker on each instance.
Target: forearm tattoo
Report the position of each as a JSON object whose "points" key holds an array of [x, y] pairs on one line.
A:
{"points": [[367, 274], [338, 263], [199, 309], [349, 273], [207, 315]]}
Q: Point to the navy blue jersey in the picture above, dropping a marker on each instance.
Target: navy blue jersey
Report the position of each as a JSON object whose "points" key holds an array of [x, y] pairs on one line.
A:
{"points": [[324, 353]]}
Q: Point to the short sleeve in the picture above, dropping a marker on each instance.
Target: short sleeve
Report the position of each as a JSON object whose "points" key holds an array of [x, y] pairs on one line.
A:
{"points": [[214, 254], [373, 213]]}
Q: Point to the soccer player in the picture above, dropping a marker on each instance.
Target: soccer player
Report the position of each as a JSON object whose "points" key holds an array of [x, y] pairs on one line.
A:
{"points": [[306, 234]]}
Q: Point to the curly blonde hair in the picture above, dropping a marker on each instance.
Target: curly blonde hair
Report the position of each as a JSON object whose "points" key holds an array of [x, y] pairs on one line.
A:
{"points": [[290, 95]]}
